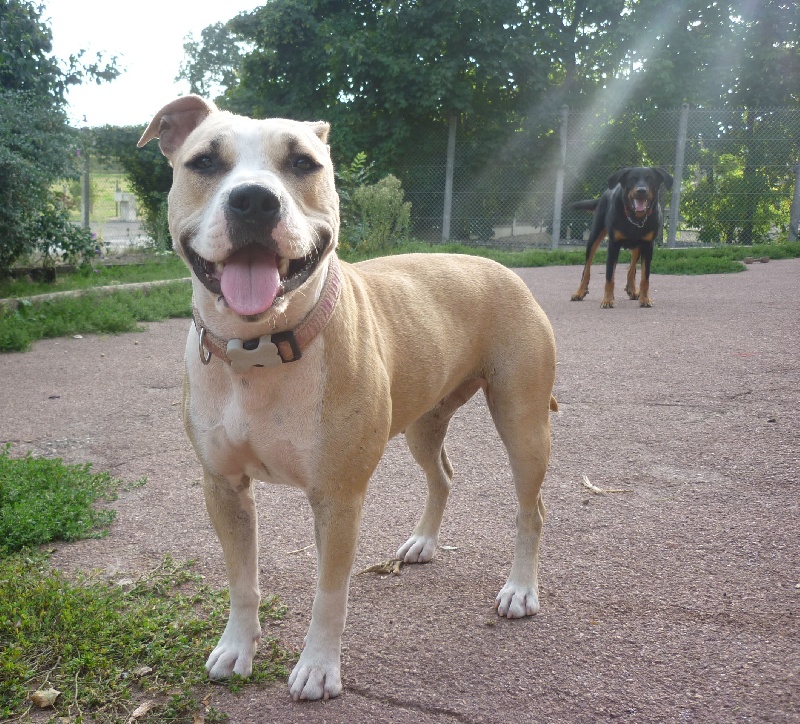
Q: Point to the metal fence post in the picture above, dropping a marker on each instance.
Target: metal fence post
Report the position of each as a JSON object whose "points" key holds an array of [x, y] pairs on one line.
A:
{"points": [[675, 202], [794, 214], [448, 178], [85, 189], [559, 192]]}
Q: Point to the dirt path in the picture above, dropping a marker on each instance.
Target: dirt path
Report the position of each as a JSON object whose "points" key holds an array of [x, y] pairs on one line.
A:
{"points": [[675, 601]]}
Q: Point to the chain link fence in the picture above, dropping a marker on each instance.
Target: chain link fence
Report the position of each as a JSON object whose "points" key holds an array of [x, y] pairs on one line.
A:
{"points": [[738, 172], [736, 179]]}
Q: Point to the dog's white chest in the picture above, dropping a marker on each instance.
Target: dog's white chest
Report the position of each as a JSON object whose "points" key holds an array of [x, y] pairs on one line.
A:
{"points": [[262, 425]]}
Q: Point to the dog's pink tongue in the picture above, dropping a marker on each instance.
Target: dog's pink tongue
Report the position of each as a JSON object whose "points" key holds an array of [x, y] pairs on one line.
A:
{"points": [[250, 280], [640, 204]]}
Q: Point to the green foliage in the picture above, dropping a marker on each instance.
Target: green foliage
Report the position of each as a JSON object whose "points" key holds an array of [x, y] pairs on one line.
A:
{"points": [[34, 152], [106, 646], [211, 63], [391, 76], [348, 179], [37, 148], [387, 76], [43, 500], [111, 314], [380, 217]]}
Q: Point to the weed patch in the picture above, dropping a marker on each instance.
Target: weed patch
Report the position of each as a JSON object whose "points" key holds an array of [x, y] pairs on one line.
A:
{"points": [[43, 500], [110, 314], [109, 648], [149, 269]]}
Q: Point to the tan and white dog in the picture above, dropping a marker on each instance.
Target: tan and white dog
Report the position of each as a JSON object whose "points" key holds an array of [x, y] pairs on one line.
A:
{"points": [[300, 368]]}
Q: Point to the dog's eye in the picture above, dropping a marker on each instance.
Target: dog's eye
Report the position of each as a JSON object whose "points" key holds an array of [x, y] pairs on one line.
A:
{"points": [[203, 162], [304, 163]]}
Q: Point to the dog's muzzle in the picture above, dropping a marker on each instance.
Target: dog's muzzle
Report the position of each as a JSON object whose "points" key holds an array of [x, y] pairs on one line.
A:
{"points": [[254, 275], [640, 201]]}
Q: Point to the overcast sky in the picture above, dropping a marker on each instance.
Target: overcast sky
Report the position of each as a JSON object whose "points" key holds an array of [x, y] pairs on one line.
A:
{"points": [[147, 36]]}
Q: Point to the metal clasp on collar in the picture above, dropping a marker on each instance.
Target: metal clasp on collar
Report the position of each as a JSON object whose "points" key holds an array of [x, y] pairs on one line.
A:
{"points": [[264, 354], [205, 354]]}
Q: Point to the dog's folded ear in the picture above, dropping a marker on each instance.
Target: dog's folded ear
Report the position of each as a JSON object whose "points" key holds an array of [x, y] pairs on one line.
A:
{"points": [[175, 121], [617, 177], [666, 177], [320, 129]]}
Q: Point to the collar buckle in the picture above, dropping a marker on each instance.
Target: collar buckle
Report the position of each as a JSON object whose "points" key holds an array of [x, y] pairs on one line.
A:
{"points": [[262, 354]]}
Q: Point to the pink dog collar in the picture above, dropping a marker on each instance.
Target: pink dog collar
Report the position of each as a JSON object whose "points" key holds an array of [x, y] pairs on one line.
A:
{"points": [[275, 349]]}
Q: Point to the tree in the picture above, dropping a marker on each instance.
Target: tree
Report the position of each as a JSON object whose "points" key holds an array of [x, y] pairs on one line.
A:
{"points": [[211, 64], [390, 75], [37, 147]]}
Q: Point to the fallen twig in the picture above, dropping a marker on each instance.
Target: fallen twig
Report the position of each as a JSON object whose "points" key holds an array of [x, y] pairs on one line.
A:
{"points": [[300, 550], [602, 491]]}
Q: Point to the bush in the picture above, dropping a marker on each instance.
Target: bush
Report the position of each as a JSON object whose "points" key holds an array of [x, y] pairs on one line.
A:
{"points": [[35, 151], [380, 219]]}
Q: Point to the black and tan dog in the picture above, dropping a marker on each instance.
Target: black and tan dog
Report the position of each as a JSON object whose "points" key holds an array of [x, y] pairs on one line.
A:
{"points": [[629, 213]]}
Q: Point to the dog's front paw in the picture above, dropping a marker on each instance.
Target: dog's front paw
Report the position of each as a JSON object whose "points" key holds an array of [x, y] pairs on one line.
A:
{"points": [[645, 302], [417, 549], [234, 652], [315, 677], [578, 296], [607, 304], [516, 601]]}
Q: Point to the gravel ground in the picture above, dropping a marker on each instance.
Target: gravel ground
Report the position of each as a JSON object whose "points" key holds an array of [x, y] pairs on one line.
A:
{"points": [[674, 600]]}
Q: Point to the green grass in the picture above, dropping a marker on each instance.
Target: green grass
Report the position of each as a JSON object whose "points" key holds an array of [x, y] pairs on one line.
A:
{"points": [[102, 191], [42, 500], [106, 646], [717, 260], [109, 647], [118, 311], [149, 268]]}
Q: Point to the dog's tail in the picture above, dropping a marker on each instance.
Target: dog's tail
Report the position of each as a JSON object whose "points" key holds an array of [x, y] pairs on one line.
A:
{"points": [[585, 205], [553, 404]]}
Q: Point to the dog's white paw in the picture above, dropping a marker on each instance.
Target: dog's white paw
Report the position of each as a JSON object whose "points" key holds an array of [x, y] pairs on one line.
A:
{"points": [[417, 549], [235, 651], [516, 601], [315, 677]]}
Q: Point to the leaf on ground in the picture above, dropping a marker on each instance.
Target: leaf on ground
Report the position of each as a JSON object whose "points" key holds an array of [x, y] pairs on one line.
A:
{"points": [[141, 710], [393, 566], [45, 698]]}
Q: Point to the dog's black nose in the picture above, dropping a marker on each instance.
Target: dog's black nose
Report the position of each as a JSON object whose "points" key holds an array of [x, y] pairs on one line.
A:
{"points": [[254, 204]]}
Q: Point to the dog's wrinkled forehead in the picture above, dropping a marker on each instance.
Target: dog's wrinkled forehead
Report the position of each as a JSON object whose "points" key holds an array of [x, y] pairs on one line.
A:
{"points": [[256, 144], [189, 122]]}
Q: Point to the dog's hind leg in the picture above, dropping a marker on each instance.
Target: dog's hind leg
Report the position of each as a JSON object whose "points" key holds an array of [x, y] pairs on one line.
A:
{"points": [[232, 509], [630, 287], [425, 438], [520, 398], [524, 427]]}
